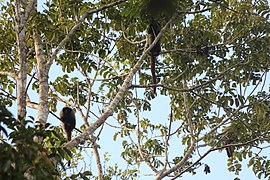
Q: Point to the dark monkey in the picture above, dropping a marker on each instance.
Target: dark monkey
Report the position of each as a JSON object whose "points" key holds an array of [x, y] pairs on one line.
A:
{"points": [[153, 30], [67, 117], [229, 137], [206, 169], [229, 149]]}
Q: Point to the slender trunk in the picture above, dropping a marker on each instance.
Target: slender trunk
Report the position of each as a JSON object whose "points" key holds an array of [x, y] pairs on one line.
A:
{"points": [[22, 74], [43, 78]]}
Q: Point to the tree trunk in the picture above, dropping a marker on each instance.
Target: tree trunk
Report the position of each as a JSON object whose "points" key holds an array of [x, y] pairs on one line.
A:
{"points": [[43, 77], [22, 74]]}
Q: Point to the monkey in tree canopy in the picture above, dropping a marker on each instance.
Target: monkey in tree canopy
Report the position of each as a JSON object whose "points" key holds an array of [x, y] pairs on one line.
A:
{"points": [[153, 30], [230, 149], [67, 117], [229, 137], [156, 11]]}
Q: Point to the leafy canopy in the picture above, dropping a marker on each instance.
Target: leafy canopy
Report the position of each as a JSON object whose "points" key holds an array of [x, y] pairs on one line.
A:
{"points": [[213, 69]]}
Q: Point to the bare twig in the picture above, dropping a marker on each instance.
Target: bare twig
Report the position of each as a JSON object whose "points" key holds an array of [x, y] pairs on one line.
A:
{"points": [[139, 139]]}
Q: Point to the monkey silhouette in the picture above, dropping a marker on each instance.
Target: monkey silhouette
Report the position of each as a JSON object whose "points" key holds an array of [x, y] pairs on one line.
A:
{"points": [[67, 117], [153, 30]]}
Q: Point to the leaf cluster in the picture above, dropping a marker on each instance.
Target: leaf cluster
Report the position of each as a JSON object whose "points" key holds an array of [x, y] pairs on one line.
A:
{"points": [[23, 157]]}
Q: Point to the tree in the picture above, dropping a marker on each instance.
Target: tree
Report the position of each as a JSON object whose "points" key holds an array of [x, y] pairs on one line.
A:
{"points": [[213, 69]]}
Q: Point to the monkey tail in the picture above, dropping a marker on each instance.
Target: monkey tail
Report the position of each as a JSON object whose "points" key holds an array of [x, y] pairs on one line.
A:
{"points": [[153, 70], [229, 151], [68, 139], [68, 136]]}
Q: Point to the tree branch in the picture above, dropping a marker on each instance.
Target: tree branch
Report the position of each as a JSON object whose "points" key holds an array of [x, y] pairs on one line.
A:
{"points": [[127, 83]]}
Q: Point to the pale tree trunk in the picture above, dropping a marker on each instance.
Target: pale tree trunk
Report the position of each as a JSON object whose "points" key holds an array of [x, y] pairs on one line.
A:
{"points": [[22, 11], [43, 77]]}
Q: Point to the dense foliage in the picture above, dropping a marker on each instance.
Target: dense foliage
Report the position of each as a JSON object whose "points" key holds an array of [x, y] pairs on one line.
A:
{"points": [[213, 69]]}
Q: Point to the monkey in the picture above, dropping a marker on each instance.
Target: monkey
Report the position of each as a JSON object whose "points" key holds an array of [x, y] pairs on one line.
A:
{"points": [[67, 117], [229, 137], [206, 169], [153, 30], [229, 149]]}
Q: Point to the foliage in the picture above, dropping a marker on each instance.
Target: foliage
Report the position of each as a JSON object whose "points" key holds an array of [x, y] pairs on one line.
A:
{"points": [[213, 70], [23, 157]]}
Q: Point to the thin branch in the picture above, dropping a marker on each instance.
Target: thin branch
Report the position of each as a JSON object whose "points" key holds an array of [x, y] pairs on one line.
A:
{"points": [[258, 83], [99, 166], [90, 85], [139, 139], [264, 81], [30, 82], [167, 137], [132, 42], [211, 150], [159, 85], [109, 79], [7, 94], [13, 75], [193, 12], [177, 129]]}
